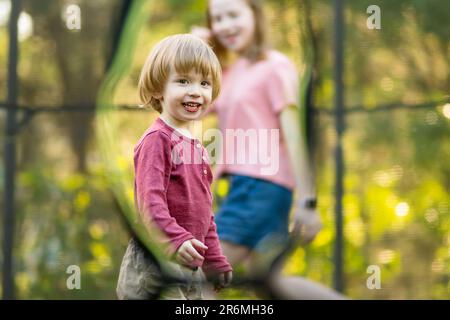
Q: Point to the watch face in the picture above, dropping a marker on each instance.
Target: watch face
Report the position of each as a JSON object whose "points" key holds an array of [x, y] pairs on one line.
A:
{"points": [[311, 203]]}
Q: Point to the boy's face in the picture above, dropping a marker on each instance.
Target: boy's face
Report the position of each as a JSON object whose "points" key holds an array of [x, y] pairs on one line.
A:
{"points": [[186, 96]]}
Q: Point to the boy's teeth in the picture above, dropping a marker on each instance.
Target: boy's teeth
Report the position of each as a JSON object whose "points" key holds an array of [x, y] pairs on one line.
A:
{"points": [[191, 107]]}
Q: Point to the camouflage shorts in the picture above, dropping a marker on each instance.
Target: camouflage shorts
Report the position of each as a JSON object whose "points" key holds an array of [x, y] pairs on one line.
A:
{"points": [[139, 278]]}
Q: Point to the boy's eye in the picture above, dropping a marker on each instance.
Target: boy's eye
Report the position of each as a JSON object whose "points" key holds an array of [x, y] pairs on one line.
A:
{"points": [[206, 83], [182, 81]]}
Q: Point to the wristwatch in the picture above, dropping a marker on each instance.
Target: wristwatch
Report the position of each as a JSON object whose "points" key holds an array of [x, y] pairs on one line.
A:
{"points": [[310, 203]]}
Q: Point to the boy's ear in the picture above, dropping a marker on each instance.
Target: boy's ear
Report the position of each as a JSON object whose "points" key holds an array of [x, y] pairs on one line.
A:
{"points": [[158, 96]]}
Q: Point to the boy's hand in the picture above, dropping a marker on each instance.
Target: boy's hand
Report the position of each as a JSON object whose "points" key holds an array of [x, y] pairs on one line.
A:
{"points": [[222, 280], [188, 254]]}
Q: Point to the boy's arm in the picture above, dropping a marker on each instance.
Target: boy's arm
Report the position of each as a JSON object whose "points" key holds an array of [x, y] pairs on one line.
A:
{"points": [[215, 261], [153, 164]]}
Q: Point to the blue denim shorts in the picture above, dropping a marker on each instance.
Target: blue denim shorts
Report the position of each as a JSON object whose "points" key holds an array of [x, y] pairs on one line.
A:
{"points": [[254, 211]]}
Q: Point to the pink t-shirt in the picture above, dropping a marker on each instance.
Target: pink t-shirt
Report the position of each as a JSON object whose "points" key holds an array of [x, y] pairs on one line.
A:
{"points": [[172, 188], [248, 109]]}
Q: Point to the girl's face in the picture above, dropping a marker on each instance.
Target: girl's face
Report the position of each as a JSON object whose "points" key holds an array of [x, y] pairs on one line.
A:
{"points": [[232, 23]]}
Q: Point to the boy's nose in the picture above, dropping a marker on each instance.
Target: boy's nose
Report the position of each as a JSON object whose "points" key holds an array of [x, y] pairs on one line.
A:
{"points": [[194, 91]]}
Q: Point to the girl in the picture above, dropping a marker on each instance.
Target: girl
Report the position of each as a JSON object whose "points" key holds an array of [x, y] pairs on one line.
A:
{"points": [[259, 95]]}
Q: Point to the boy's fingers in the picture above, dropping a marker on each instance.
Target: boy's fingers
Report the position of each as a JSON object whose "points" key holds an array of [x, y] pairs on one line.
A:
{"points": [[198, 244], [228, 278], [182, 260], [194, 254], [185, 255], [218, 284]]}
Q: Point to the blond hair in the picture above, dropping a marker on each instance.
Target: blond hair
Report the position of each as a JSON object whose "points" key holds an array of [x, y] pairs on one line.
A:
{"points": [[182, 53]]}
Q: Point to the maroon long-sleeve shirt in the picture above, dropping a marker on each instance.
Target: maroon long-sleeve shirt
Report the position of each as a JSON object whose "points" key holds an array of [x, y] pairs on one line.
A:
{"points": [[172, 188]]}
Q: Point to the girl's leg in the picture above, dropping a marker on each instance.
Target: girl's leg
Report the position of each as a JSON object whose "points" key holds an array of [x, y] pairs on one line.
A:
{"points": [[299, 288], [235, 253], [290, 287]]}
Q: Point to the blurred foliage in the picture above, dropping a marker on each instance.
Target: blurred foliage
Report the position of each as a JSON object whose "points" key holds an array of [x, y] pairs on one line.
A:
{"points": [[65, 220], [397, 177]]}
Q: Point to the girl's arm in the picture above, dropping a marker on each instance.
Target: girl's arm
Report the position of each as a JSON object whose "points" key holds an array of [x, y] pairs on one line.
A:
{"points": [[295, 142]]}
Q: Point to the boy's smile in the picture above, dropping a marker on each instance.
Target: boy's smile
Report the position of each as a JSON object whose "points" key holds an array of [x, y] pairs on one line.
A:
{"points": [[192, 106], [185, 98]]}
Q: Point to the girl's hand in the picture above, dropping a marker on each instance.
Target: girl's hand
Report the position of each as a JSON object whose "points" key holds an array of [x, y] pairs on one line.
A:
{"points": [[202, 32], [309, 223], [188, 254]]}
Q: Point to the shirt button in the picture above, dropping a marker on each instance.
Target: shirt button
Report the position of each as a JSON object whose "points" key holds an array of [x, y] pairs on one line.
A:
{"points": [[204, 158], [198, 145], [205, 172]]}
